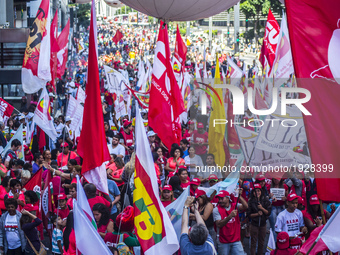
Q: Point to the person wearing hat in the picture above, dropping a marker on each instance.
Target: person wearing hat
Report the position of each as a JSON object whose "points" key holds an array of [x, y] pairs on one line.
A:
{"points": [[63, 210], [167, 196], [128, 137], [194, 186], [66, 155], [297, 185], [152, 137], [228, 224], [199, 140], [291, 219], [259, 208], [282, 245], [312, 215]]}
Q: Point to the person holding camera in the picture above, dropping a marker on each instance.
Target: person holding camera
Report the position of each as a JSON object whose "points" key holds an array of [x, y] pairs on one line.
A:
{"points": [[198, 240]]}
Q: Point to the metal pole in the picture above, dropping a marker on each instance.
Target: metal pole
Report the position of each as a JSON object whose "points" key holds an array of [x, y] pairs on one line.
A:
{"points": [[188, 28], [210, 31], [236, 24]]}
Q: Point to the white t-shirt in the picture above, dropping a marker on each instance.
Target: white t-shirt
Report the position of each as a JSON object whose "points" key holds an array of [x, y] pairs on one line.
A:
{"points": [[119, 150], [12, 232], [59, 129], [289, 222], [197, 160]]}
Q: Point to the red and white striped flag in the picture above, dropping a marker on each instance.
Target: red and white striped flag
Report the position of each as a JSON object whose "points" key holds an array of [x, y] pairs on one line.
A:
{"points": [[153, 227], [92, 145]]}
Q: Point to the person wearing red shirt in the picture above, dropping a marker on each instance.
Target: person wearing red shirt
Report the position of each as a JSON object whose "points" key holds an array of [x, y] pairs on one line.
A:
{"points": [[63, 210], [69, 237], [73, 192], [90, 191], [127, 135], [312, 214], [167, 196], [194, 185], [101, 215], [227, 223], [175, 161], [188, 133], [183, 177], [15, 192], [66, 155], [199, 140]]}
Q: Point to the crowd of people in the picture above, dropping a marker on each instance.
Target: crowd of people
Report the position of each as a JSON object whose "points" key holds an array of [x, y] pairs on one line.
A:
{"points": [[222, 222]]}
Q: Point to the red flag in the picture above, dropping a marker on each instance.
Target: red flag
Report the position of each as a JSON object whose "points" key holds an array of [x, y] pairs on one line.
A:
{"points": [[316, 56], [270, 40], [36, 69], [92, 145], [117, 37], [46, 200], [54, 48], [5, 110], [63, 49], [320, 245], [35, 183], [166, 101], [180, 53]]}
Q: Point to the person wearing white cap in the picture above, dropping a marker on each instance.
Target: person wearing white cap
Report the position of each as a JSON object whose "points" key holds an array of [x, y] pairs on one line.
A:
{"points": [[152, 138], [68, 121]]}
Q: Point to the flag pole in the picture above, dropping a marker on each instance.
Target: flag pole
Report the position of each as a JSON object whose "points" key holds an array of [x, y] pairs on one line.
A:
{"points": [[323, 217]]}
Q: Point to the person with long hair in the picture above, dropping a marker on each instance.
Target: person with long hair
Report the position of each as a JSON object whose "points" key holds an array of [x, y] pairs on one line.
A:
{"points": [[259, 208], [102, 216], [312, 216], [188, 133], [167, 196], [3, 169], [31, 202], [115, 171], [29, 222], [69, 237], [174, 161], [205, 209]]}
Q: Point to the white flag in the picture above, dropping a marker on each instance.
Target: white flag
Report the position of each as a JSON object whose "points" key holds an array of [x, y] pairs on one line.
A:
{"points": [[271, 246], [75, 110], [42, 115]]}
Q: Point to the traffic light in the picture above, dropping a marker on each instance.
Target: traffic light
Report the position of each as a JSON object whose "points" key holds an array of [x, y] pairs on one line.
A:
{"points": [[246, 23], [237, 37]]}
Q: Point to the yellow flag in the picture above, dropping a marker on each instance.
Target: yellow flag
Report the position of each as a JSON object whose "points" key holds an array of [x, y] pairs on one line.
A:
{"points": [[216, 134], [188, 42]]}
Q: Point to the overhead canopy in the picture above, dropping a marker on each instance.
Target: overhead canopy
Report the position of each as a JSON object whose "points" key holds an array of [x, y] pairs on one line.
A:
{"points": [[180, 10], [114, 3]]}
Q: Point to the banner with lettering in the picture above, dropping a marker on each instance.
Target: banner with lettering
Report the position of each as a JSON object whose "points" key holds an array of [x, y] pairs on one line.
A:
{"points": [[6, 110]]}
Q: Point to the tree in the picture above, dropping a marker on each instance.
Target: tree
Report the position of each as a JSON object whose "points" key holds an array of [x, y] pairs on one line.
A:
{"points": [[256, 9], [84, 14]]}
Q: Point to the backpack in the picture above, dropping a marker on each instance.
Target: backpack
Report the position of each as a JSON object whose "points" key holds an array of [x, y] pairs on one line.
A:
{"points": [[122, 247]]}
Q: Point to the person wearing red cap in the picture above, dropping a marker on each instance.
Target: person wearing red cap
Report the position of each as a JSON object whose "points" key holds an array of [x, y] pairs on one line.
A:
{"points": [[227, 223], [199, 140], [63, 210], [127, 135], [205, 208], [312, 215], [188, 133], [259, 208], [167, 196], [282, 245], [291, 219], [66, 155], [194, 185]]}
